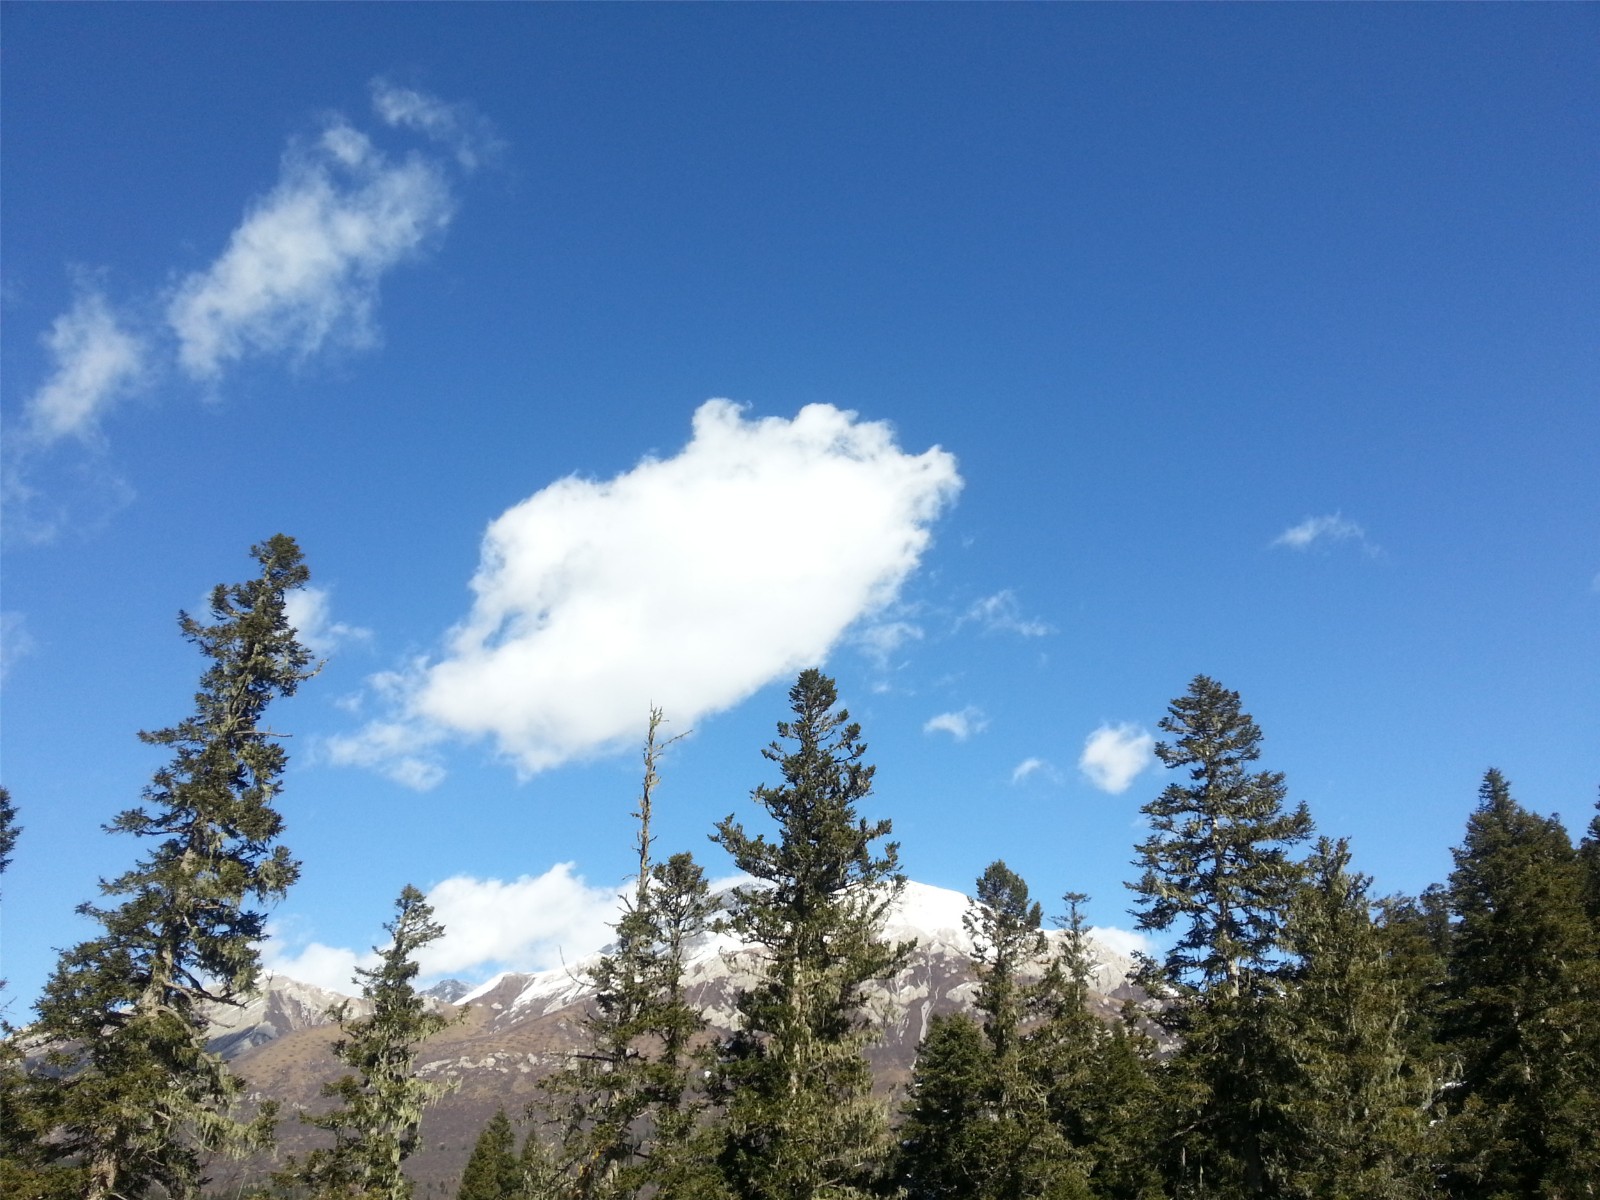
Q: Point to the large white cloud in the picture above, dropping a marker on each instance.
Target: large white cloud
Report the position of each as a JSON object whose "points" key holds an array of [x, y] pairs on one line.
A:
{"points": [[1114, 754], [688, 582], [303, 267]]}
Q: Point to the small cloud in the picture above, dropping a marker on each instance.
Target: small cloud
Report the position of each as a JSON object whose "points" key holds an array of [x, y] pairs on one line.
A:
{"points": [[1000, 613], [1327, 529], [308, 611], [879, 641], [460, 128], [97, 362], [16, 643], [959, 725], [1114, 754], [1030, 767], [302, 269], [1125, 942], [330, 967]]}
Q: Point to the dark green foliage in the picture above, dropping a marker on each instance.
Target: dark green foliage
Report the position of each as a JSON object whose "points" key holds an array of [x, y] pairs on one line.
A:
{"points": [[1520, 1018], [9, 829], [1354, 1105], [376, 1126], [1217, 867], [142, 1100], [943, 1144], [800, 1120], [1216, 864], [493, 1172], [1589, 855]]}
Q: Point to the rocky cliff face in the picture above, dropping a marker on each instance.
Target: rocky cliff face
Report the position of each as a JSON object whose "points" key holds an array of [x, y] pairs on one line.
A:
{"points": [[517, 1028]]}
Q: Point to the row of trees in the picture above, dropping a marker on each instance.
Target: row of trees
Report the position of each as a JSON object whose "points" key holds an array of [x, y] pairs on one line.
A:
{"points": [[1300, 1038], [112, 1092]]}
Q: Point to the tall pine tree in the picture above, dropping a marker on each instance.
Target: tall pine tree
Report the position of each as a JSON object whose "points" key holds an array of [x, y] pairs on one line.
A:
{"points": [[625, 1110], [142, 1101], [377, 1124], [1521, 1016], [800, 1120], [1217, 866]]}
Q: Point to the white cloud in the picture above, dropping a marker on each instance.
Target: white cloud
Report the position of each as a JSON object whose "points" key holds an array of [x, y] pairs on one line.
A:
{"points": [[531, 923], [97, 361], [1114, 754], [1030, 767], [303, 267], [688, 582], [1334, 527], [959, 725], [308, 611], [330, 967], [1000, 613], [527, 924], [458, 127], [1126, 942]]}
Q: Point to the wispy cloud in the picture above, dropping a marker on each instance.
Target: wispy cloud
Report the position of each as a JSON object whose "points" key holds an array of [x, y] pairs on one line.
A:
{"points": [[460, 128], [959, 725], [1332, 528], [1114, 754], [1029, 767], [16, 643], [299, 274], [1001, 613], [97, 362], [302, 269], [879, 640], [688, 582]]}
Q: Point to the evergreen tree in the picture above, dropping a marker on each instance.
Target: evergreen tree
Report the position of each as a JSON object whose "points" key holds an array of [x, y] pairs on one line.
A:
{"points": [[800, 1120], [1355, 1105], [377, 1124], [493, 1172], [1216, 865], [1589, 855], [1096, 1079], [943, 1143], [142, 1101], [1520, 1017], [627, 1115]]}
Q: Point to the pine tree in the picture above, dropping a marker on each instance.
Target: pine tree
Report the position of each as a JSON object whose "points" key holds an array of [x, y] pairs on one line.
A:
{"points": [[627, 1118], [1217, 866], [142, 1101], [1520, 1016], [1355, 1105], [493, 1171], [800, 1121], [943, 1135], [377, 1124], [1589, 855]]}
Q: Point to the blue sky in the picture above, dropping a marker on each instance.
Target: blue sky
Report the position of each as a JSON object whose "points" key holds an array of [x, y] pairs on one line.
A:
{"points": [[1060, 353]]}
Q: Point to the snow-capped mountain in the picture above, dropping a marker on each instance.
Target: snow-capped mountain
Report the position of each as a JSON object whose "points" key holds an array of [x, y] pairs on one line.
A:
{"points": [[516, 1028]]}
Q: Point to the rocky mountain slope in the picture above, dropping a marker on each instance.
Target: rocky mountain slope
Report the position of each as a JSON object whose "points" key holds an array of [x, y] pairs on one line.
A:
{"points": [[517, 1028]]}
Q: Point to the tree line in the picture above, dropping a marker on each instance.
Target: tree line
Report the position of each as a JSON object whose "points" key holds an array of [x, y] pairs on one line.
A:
{"points": [[1301, 1037]]}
